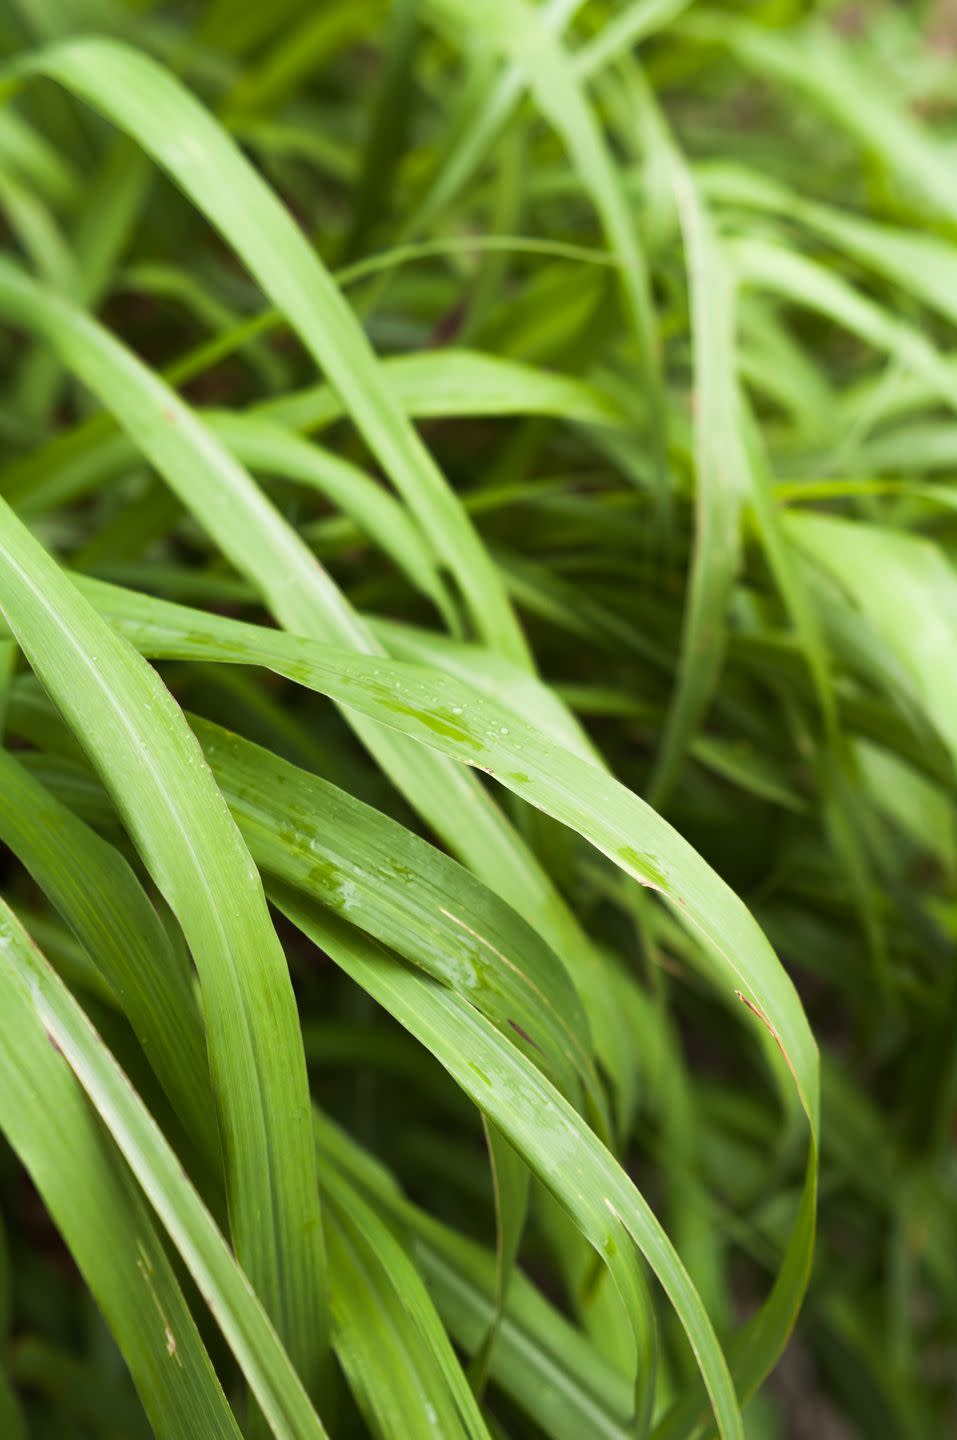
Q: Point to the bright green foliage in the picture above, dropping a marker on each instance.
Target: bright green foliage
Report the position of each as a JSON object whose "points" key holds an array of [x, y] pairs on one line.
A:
{"points": [[478, 628]]}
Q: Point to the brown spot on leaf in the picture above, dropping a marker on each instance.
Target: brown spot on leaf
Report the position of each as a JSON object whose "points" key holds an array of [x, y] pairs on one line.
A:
{"points": [[524, 1033]]}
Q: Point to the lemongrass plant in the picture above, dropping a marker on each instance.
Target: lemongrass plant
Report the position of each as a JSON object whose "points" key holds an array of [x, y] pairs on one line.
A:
{"points": [[478, 684]]}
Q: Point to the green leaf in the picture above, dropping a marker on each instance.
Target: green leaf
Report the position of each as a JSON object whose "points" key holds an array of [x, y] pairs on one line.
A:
{"points": [[906, 587], [96, 1205], [539, 1358], [388, 1337], [137, 739], [722, 481], [806, 283], [510, 1181], [143, 99], [564, 1153], [50, 1016], [518, 29], [253, 534], [457, 383], [99, 897], [265, 446], [817, 62], [442, 714], [404, 892], [445, 715]]}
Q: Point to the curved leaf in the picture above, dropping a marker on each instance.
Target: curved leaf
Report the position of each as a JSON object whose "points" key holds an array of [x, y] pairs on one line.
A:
{"points": [[139, 742], [144, 99]]}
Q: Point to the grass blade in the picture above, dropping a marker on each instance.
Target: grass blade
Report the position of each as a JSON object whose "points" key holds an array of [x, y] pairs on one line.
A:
{"points": [[99, 897], [93, 1201], [50, 1011], [146, 101], [136, 737]]}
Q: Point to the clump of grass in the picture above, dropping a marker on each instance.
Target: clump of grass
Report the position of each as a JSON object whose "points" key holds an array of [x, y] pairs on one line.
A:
{"points": [[477, 679]]}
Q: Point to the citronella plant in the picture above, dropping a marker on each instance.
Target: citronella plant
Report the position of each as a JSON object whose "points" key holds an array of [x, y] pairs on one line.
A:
{"points": [[478, 687]]}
